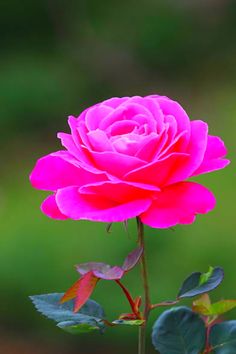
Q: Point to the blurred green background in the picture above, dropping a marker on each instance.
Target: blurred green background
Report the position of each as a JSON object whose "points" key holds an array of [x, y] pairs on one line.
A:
{"points": [[57, 58]]}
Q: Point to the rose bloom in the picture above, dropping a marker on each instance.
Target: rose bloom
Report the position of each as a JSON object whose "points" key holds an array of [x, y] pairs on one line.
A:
{"points": [[128, 157]]}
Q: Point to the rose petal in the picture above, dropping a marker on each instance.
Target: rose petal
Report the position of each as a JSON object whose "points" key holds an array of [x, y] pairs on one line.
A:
{"points": [[73, 123], [96, 208], [170, 107], [213, 156], [115, 163], [150, 146], [196, 150], [154, 107], [115, 102], [77, 151], [59, 170], [95, 115], [178, 204], [50, 208], [159, 173], [122, 127], [120, 191], [132, 109], [99, 141], [197, 144]]}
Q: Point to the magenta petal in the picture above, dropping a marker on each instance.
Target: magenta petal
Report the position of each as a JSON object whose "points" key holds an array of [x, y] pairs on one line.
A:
{"points": [[160, 172], [73, 124], [115, 101], [154, 108], [197, 144], [196, 151], [68, 142], [178, 204], [213, 158], [173, 108], [59, 170], [95, 115], [99, 140], [96, 208], [52, 172], [115, 163], [50, 208], [76, 150], [120, 191]]}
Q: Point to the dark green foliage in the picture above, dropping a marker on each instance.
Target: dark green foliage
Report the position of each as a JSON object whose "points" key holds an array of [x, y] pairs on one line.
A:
{"points": [[198, 283], [179, 330], [89, 318], [223, 338]]}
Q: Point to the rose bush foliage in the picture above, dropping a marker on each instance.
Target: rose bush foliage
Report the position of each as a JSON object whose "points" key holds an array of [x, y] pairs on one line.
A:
{"points": [[128, 157]]}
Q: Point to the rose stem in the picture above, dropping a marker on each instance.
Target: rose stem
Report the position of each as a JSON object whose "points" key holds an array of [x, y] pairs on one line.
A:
{"points": [[147, 303]]}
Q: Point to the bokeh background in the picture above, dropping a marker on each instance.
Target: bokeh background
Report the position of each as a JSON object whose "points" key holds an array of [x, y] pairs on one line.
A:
{"points": [[57, 58]]}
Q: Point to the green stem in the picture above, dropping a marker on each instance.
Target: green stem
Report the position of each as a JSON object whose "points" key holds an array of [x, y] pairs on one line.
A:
{"points": [[147, 302]]}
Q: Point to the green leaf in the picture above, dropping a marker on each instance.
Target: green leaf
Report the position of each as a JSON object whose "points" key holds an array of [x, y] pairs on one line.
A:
{"points": [[218, 308], [222, 306], [205, 276], [75, 328], [179, 330], [223, 338], [202, 304], [199, 283], [90, 317], [129, 322]]}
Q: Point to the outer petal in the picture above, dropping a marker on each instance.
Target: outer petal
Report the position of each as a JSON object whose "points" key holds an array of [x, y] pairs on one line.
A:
{"points": [[213, 158], [50, 208], [59, 170], [119, 191], [160, 172], [97, 208], [76, 150], [196, 149], [178, 204]]}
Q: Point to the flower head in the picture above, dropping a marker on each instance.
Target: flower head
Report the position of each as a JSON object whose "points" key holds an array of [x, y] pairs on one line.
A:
{"points": [[128, 157]]}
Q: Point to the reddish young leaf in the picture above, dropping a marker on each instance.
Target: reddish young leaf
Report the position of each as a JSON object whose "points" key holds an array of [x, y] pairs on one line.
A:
{"points": [[127, 316], [71, 292], [81, 290], [85, 289], [101, 270], [132, 259]]}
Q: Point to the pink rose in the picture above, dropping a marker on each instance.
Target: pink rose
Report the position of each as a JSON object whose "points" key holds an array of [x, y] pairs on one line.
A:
{"points": [[128, 157]]}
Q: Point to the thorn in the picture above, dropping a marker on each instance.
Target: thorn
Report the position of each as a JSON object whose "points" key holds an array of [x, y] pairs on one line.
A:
{"points": [[108, 228]]}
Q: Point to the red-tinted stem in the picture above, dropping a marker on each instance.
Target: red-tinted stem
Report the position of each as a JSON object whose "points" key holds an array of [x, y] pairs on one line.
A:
{"points": [[129, 298], [208, 346], [168, 303]]}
